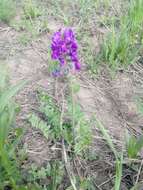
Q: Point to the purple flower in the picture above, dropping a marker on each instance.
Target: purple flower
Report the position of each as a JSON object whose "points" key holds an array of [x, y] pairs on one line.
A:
{"points": [[64, 48]]}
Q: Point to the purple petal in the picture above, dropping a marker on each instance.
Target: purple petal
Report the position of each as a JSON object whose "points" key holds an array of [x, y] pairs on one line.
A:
{"points": [[74, 57], [62, 61], [54, 56], [74, 46], [57, 36], [68, 34], [77, 66]]}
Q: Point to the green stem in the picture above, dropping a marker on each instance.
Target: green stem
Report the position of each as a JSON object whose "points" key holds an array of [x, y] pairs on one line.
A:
{"points": [[73, 105], [66, 160], [73, 108]]}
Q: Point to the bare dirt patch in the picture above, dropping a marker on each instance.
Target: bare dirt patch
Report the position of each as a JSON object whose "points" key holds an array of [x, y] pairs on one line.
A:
{"points": [[113, 102]]}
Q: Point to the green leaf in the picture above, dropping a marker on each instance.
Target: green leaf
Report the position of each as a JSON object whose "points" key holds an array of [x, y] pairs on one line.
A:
{"points": [[39, 124], [8, 94]]}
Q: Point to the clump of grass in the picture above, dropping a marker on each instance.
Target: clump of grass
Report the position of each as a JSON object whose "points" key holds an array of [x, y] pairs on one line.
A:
{"points": [[7, 10], [32, 22], [31, 10], [10, 158], [133, 148], [122, 44], [134, 145], [9, 175], [32, 29]]}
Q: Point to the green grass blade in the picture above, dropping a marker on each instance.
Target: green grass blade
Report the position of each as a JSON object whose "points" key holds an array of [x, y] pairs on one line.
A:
{"points": [[119, 163], [8, 94], [107, 137]]}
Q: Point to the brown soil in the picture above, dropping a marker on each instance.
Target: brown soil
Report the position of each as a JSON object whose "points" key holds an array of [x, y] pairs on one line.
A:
{"points": [[113, 101]]}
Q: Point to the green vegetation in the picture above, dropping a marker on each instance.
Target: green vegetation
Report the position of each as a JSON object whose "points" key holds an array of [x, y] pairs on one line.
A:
{"points": [[32, 22], [31, 10], [121, 46], [76, 138], [9, 175], [134, 146], [50, 129], [110, 39], [118, 156], [7, 10], [54, 171]]}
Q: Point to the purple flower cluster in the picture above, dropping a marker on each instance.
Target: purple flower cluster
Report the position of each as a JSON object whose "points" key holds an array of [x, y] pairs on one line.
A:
{"points": [[64, 49]]}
